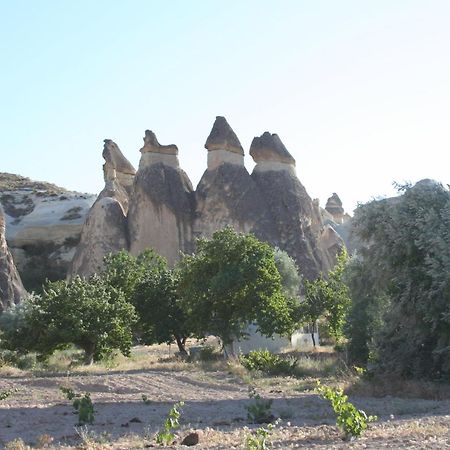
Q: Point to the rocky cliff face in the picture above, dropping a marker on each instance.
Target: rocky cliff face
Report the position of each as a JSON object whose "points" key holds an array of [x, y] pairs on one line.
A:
{"points": [[105, 230], [43, 226], [227, 194], [11, 287], [161, 206]]}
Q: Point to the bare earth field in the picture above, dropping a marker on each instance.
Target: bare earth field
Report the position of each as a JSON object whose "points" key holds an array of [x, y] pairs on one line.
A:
{"points": [[215, 401]]}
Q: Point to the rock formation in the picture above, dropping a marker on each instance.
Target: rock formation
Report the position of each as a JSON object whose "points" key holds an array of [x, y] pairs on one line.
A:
{"points": [[166, 214], [334, 207], [117, 166], [298, 222], [43, 227], [11, 288], [161, 206], [226, 194], [105, 228]]}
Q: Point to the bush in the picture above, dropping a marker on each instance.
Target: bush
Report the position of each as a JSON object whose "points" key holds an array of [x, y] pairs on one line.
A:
{"points": [[267, 362], [259, 411], [353, 422]]}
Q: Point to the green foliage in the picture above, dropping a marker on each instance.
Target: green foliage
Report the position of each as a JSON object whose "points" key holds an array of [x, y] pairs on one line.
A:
{"points": [[328, 298], [231, 282], [4, 394], [267, 362], [290, 277], [166, 436], [351, 421], [85, 312], [124, 271], [407, 260], [69, 393], [259, 410], [365, 317], [82, 405], [259, 439], [151, 287]]}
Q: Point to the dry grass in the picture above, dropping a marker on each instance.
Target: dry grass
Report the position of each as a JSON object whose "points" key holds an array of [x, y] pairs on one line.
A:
{"points": [[397, 387]]}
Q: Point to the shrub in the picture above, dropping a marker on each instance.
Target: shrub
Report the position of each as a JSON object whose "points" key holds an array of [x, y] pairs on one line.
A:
{"points": [[353, 422], [82, 405], [166, 436], [267, 362], [259, 439], [259, 411]]}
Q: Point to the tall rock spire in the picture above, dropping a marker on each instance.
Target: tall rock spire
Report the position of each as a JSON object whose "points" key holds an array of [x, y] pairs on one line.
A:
{"points": [[223, 145], [153, 152], [104, 230], [298, 221], [226, 194], [161, 207], [269, 153], [117, 166]]}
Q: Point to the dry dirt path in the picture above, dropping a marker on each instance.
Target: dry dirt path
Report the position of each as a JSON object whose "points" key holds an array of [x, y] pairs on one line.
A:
{"points": [[214, 404]]}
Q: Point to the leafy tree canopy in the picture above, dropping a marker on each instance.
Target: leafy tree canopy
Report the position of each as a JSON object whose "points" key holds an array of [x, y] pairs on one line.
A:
{"points": [[86, 312], [407, 255], [230, 282]]}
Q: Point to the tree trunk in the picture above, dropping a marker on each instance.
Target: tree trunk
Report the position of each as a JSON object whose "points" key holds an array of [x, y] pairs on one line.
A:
{"points": [[89, 350], [181, 345], [312, 335]]}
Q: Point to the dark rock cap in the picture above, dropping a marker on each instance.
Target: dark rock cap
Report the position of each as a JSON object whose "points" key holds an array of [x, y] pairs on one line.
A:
{"points": [[151, 145], [222, 137], [334, 205], [113, 155], [269, 147]]}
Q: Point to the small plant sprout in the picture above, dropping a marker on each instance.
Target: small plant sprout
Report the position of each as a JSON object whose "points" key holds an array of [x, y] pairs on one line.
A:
{"points": [[353, 422], [259, 411], [165, 436], [259, 439], [7, 393], [85, 408], [82, 405]]}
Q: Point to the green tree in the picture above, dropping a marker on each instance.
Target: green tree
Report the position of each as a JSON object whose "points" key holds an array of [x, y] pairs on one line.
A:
{"points": [[151, 287], [328, 298], [407, 252], [231, 282], [290, 277], [161, 317], [124, 271], [365, 317], [85, 312]]}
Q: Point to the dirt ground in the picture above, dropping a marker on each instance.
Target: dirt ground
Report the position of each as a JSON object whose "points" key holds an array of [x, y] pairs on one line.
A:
{"points": [[215, 407]]}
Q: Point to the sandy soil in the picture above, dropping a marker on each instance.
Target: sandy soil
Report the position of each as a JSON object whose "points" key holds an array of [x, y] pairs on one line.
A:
{"points": [[214, 405]]}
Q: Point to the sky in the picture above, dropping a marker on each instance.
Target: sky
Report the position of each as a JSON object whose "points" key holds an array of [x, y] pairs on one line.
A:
{"points": [[358, 91]]}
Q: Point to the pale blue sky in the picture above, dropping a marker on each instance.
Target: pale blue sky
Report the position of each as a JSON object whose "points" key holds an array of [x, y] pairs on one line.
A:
{"points": [[359, 91]]}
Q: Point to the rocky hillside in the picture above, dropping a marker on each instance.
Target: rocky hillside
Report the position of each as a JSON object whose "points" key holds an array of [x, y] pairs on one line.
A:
{"points": [[43, 226]]}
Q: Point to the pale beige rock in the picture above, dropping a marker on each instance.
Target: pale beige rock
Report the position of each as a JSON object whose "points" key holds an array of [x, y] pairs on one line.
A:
{"points": [[116, 166], [161, 208], [153, 152], [334, 207], [105, 228], [104, 232], [11, 287]]}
